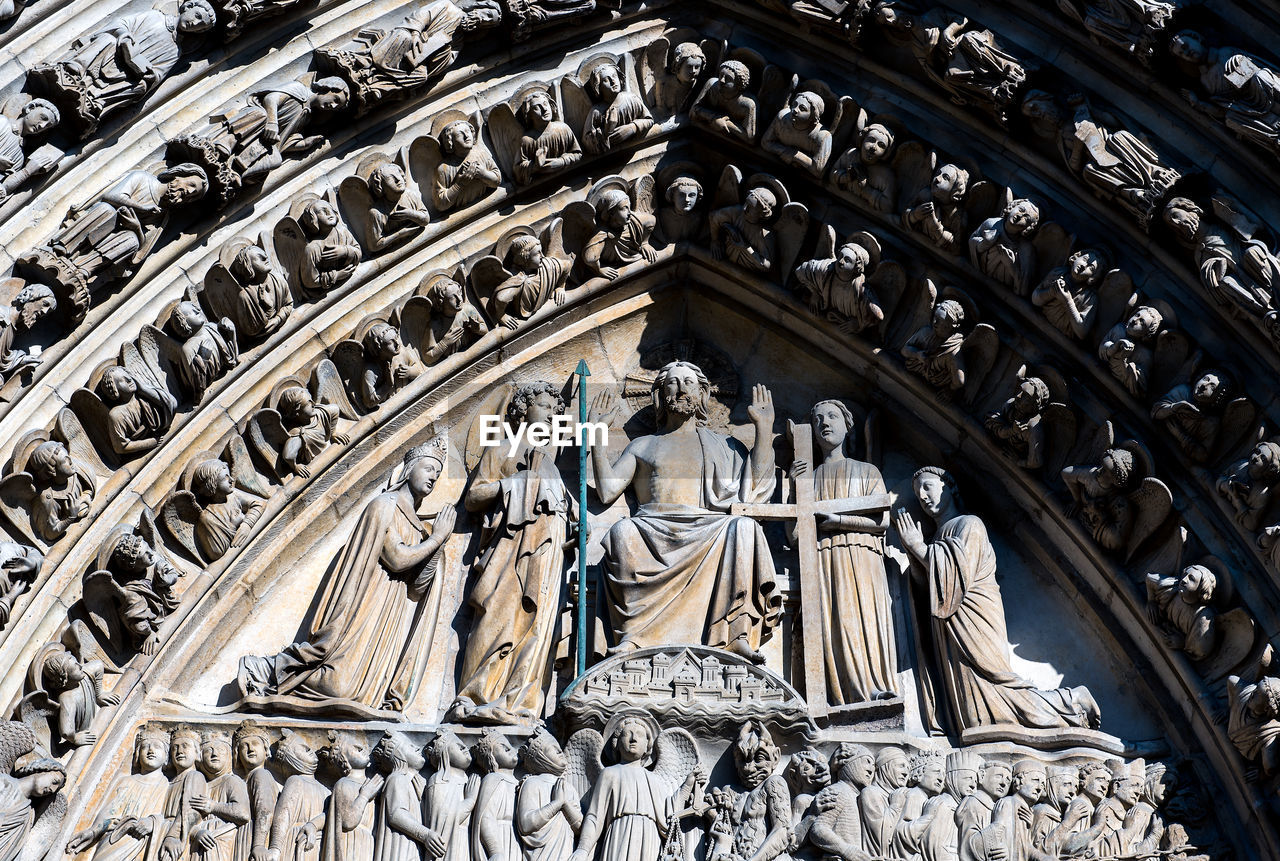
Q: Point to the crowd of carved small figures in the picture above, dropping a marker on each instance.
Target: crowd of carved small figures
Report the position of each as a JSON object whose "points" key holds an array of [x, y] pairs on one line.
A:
{"points": [[224, 800]]}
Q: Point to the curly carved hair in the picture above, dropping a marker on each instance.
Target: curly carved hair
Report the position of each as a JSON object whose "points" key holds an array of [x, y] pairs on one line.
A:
{"points": [[524, 397]]}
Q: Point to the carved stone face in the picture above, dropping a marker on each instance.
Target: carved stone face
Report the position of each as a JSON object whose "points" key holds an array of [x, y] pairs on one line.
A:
{"points": [[863, 769], [196, 18], [326, 217], [538, 105], [1127, 790], [459, 755], [1157, 790], [875, 144], [934, 778], [1031, 786], [37, 120], [943, 323], [449, 298], [1206, 388], [184, 189], [329, 102], [393, 181], [757, 207], [190, 316], [755, 770], [996, 779], [609, 82], [252, 751], [931, 493], [1259, 461], [849, 262], [461, 138], [690, 69], [46, 783], [1063, 788], [946, 183], [1022, 217], [149, 754], [680, 391], [422, 477], [1084, 266], [183, 751], [256, 262], [357, 755], [541, 409], [387, 340], [962, 782], [34, 309], [1187, 46], [118, 385], [1025, 401], [1183, 222], [633, 741], [831, 428], [504, 754], [1096, 784], [684, 197], [896, 771], [215, 757], [729, 83], [1142, 325], [617, 216], [305, 409], [801, 112]]}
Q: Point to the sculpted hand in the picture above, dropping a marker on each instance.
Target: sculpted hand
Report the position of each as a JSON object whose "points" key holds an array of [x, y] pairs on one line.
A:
{"points": [[84, 839], [910, 532], [603, 408], [799, 468], [444, 523], [435, 845], [761, 410], [206, 841]]}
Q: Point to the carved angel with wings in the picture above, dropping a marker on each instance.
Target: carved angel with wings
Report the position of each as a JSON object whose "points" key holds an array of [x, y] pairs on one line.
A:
{"points": [[299, 421], [1036, 426], [217, 503], [755, 224], [672, 68], [316, 248], [455, 160], [1207, 416], [601, 100], [1075, 296], [616, 220], [947, 202], [1146, 352], [801, 134], [1200, 616], [532, 141], [383, 202], [130, 590], [634, 805], [52, 480], [126, 406], [438, 320], [32, 806], [524, 272], [201, 354], [953, 352], [249, 287], [65, 691], [1117, 496], [376, 363], [844, 283]]}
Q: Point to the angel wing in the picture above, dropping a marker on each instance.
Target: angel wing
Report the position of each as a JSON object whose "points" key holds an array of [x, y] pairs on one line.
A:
{"points": [[327, 388], [1239, 428], [1060, 429], [220, 293], [582, 755], [577, 107], [505, 132], [981, 346], [266, 436], [17, 739], [889, 284], [913, 165], [776, 86], [290, 244], [179, 513], [348, 358], [243, 474], [1103, 439], [677, 756], [357, 201], [644, 194], [1173, 359], [38, 711], [579, 226], [486, 275], [102, 596], [95, 417], [1116, 299], [494, 404], [1053, 244], [791, 227], [916, 309], [162, 355], [983, 200], [17, 496], [729, 189], [1152, 503], [68, 428], [41, 838]]}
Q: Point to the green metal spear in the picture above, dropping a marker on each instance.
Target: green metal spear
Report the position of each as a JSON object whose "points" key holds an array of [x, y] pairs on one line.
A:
{"points": [[582, 373]]}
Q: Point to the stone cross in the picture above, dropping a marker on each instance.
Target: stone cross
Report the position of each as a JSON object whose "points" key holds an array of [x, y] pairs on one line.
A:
{"points": [[803, 511]]}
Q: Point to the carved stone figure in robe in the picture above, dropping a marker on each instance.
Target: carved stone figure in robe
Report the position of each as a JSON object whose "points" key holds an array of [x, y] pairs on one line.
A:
{"points": [[226, 514], [388, 365], [145, 590], [298, 820], [1183, 607], [1128, 349], [938, 212], [1253, 721], [1019, 425], [807, 774], [75, 691], [1001, 247], [253, 749], [331, 253], [927, 779], [683, 569], [797, 137], [1235, 270], [1115, 164], [742, 233], [64, 490], [1144, 827], [857, 617], [547, 816], [349, 818], [139, 412], [1243, 91], [1068, 295], [866, 170], [838, 286], [632, 807], [941, 838], [225, 832], [617, 115], [363, 646], [837, 826], [19, 567], [20, 793], [621, 237], [971, 649], [528, 16], [976, 809], [682, 219], [1095, 782], [188, 782], [449, 797], [263, 300], [30, 304], [456, 324], [507, 663], [209, 350], [253, 141], [1101, 493], [397, 211], [881, 802], [311, 427], [1248, 486], [1048, 833], [130, 826], [548, 145], [399, 834], [934, 351], [1105, 834], [1015, 812], [493, 833], [1194, 415], [122, 63], [22, 120], [672, 93], [468, 172], [965, 61], [109, 237], [756, 823], [1133, 26], [534, 278], [725, 106]]}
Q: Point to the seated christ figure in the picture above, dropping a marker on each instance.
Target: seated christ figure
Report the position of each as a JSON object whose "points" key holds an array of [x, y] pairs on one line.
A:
{"points": [[684, 570]]}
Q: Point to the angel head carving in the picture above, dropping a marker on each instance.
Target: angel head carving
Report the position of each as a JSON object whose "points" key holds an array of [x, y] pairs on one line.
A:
{"points": [[1035, 425], [205, 351], [671, 70], [1144, 349], [681, 215], [1001, 247], [845, 287], [524, 274], [461, 168], [756, 225], [438, 320], [383, 202], [217, 503], [376, 363], [1206, 416], [52, 481], [725, 105], [687, 62], [130, 591], [797, 136], [543, 145], [618, 220], [299, 422], [1075, 296], [942, 210], [1250, 485], [600, 97], [248, 287], [66, 691], [316, 248], [1235, 266], [952, 351]]}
